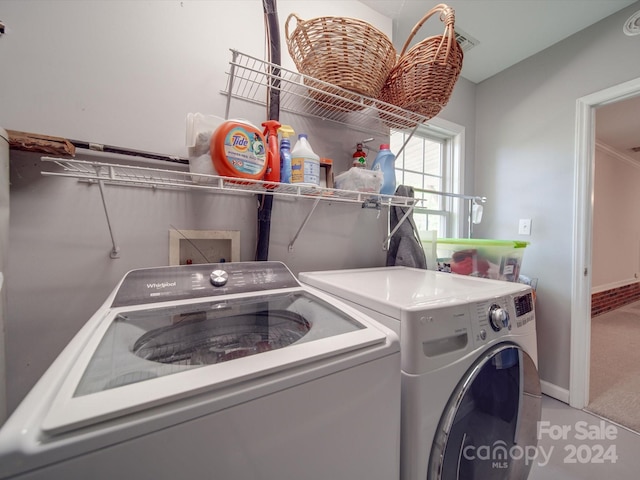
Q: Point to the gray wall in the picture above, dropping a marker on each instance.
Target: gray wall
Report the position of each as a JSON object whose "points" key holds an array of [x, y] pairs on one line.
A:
{"points": [[127, 74], [524, 159], [115, 73]]}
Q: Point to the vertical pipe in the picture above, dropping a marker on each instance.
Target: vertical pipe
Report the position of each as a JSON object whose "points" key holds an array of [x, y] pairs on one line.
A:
{"points": [[266, 201]]}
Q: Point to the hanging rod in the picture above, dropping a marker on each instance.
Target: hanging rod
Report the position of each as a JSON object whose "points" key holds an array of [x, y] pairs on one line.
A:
{"points": [[455, 195], [472, 199], [99, 147]]}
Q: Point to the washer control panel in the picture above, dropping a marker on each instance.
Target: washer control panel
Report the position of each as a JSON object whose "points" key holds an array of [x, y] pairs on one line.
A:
{"points": [[163, 284], [219, 278]]}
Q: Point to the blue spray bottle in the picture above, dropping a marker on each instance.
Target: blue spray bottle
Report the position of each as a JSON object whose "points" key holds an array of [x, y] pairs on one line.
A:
{"points": [[285, 153]]}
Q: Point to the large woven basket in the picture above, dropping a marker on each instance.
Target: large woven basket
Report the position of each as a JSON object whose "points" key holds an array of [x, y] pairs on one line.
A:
{"points": [[344, 52], [423, 79]]}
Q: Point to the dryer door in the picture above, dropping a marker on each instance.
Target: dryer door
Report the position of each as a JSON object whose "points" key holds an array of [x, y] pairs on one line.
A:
{"points": [[489, 427]]}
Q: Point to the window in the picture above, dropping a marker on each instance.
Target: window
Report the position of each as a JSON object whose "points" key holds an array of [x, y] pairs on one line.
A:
{"points": [[432, 160]]}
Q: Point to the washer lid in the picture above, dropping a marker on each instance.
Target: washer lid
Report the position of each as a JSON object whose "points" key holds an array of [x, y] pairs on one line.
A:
{"points": [[141, 357], [389, 290]]}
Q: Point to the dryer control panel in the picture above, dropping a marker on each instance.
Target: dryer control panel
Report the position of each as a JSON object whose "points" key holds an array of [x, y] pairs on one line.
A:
{"points": [[524, 309], [164, 284], [502, 316]]}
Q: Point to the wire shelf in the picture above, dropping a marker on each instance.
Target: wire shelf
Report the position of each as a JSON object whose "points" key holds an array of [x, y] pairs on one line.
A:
{"points": [[108, 173], [249, 78]]}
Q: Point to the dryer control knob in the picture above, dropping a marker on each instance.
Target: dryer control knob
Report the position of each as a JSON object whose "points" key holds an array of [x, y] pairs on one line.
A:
{"points": [[498, 317], [219, 278]]}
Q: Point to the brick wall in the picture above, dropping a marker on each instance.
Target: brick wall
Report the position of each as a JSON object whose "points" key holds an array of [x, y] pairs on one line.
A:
{"points": [[602, 302]]}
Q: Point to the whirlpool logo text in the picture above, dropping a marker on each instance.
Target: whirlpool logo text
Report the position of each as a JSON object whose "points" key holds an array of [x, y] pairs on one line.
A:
{"points": [[161, 285]]}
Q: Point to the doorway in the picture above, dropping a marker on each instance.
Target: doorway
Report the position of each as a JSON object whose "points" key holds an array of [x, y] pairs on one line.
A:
{"points": [[584, 167]]}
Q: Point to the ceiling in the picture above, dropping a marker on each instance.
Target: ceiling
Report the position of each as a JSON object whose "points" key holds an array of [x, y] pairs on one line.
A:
{"points": [[507, 32]]}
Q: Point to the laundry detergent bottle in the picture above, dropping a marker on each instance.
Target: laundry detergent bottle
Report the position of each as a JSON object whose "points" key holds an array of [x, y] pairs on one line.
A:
{"points": [[285, 153], [385, 161], [238, 149], [305, 163]]}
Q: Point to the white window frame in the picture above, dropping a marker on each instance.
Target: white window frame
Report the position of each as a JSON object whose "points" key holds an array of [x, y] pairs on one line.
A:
{"points": [[453, 152]]}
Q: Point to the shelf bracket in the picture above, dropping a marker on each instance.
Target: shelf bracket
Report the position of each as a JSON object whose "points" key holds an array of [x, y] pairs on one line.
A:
{"points": [[385, 244], [232, 75], [372, 203], [115, 250], [304, 223]]}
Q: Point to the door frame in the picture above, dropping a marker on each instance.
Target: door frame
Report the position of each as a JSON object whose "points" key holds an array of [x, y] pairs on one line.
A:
{"points": [[584, 168]]}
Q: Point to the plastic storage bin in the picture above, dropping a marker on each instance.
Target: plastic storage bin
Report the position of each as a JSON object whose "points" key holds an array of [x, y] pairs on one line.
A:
{"points": [[497, 259]]}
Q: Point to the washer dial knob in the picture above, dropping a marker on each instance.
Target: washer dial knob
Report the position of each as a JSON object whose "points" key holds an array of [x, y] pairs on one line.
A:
{"points": [[219, 278], [498, 317]]}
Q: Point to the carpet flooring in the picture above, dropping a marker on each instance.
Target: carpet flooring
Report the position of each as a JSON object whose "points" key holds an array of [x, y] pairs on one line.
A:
{"points": [[614, 383]]}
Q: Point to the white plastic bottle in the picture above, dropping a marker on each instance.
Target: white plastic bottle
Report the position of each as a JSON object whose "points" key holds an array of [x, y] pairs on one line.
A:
{"points": [[385, 162], [305, 164]]}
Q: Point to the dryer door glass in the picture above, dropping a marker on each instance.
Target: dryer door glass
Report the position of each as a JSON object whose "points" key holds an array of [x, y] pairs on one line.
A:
{"points": [[489, 427]]}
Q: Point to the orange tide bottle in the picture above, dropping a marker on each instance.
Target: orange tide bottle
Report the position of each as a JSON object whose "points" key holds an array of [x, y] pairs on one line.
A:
{"points": [[238, 149]]}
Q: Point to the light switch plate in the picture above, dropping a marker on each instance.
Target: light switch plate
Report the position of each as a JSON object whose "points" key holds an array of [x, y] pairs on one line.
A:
{"points": [[524, 227]]}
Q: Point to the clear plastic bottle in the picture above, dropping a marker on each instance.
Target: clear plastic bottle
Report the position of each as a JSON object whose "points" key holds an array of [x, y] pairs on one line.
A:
{"points": [[385, 162], [305, 164]]}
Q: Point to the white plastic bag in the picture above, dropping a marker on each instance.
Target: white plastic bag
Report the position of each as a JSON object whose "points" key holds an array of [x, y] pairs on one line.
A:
{"points": [[200, 127], [360, 180]]}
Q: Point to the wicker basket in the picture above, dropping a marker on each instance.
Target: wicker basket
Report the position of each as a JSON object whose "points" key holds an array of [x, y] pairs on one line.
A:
{"points": [[345, 52], [423, 79]]}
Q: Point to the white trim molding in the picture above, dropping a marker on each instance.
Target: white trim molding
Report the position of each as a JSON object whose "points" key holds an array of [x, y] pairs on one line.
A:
{"points": [[584, 166], [553, 390], [617, 154], [613, 285]]}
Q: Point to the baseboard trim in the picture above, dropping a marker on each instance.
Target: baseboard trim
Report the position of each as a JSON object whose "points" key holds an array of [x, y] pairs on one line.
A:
{"points": [[614, 285], [555, 391]]}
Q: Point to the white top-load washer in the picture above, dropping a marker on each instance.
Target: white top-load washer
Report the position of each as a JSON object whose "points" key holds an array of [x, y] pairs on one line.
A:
{"points": [[471, 394], [230, 370]]}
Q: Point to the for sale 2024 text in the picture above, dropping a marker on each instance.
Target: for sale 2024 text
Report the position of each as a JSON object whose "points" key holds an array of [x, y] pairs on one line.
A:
{"points": [[582, 441]]}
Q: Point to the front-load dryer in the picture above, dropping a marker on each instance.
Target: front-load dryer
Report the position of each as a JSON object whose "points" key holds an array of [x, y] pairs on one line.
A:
{"points": [[230, 370], [471, 394]]}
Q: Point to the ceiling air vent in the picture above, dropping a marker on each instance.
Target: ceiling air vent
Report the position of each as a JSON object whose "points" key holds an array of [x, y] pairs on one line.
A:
{"points": [[632, 25], [466, 41]]}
